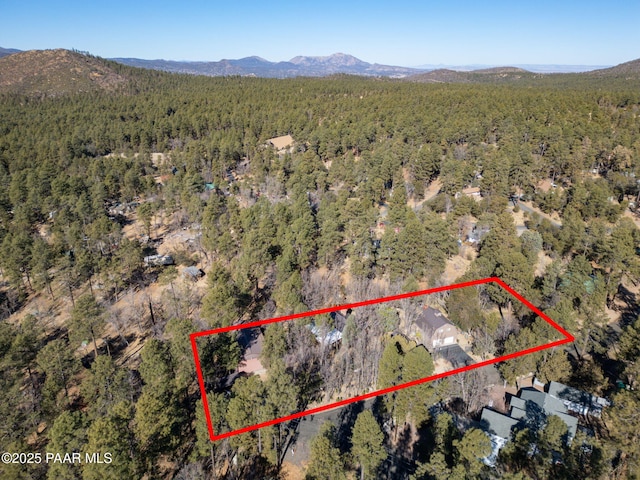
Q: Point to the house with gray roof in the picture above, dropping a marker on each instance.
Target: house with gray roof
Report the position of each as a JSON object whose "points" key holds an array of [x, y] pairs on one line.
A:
{"points": [[577, 401], [498, 426], [497, 423], [193, 273], [434, 330], [530, 409]]}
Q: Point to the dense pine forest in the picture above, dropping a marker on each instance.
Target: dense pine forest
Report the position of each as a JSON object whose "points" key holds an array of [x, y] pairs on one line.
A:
{"points": [[367, 201]]}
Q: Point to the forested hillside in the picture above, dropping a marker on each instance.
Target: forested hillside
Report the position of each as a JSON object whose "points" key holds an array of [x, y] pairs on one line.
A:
{"points": [[56, 72], [367, 201]]}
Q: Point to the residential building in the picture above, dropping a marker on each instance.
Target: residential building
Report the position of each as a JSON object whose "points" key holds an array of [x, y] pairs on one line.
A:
{"points": [[251, 341], [282, 143], [530, 409], [578, 401], [434, 330]]}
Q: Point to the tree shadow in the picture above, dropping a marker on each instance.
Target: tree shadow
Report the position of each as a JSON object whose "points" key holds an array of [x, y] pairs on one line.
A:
{"points": [[10, 302], [630, 313], [399, 463], [425, 441], [118, 345], [346, 421]]}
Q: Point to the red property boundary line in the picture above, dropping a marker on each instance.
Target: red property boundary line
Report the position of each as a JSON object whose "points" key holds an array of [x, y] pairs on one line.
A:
{"points": [[568, 338]]}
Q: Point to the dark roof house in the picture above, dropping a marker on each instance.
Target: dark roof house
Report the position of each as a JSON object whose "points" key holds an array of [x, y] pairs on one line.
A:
{"points": [[455, 355], [533, 407], [497, 423]]}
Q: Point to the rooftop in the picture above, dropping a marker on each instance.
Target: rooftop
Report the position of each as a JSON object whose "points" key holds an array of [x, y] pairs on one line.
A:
{"points": [[530, 409], [431, 320], [251, 340], [576, 400], [497, 423], [281, 142]]}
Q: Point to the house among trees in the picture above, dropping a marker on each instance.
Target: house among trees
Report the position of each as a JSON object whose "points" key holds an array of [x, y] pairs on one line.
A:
{"points": [[158, 260], [251, 341], [530, 409], [325, 335], [331, 334], [578, 401], [471, 192], [121, 209], [339, 318], [281, 144], [434, 330]]}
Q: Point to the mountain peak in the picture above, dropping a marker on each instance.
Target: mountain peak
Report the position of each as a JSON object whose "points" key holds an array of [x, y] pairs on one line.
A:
{"points": [[335, 60], [256, 58]]}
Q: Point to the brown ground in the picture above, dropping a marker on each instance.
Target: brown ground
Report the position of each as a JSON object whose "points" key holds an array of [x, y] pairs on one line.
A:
{"points": [[54, 313], [615, 314], [497, 396], [633, 216], [292, 472], [56, 72], [518, 217], [458, 264]]}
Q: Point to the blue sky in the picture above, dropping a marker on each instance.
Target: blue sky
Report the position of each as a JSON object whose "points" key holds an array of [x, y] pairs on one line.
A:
{"points": [[408, 33]]}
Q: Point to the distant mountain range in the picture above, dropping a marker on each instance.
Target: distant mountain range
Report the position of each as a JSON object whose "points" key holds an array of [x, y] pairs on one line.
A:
{"points": [[59, 72], [296, 67], [316, 66]]}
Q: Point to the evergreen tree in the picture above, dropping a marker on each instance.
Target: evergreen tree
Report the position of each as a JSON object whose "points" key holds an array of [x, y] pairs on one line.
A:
{"points": [[87, 321], [472, 448], [325, 462], [58, 364], [412, 403], [106, 386], [368, 444], [68, 435], [112, 435]]}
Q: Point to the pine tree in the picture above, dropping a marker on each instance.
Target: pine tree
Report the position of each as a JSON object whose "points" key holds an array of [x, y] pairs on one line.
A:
{"points": [[412, 403], [471, 449], [325, 462], [112, 434], [58, 363], [68, 435], [368, 444], [87, 321], [106, 386]]}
